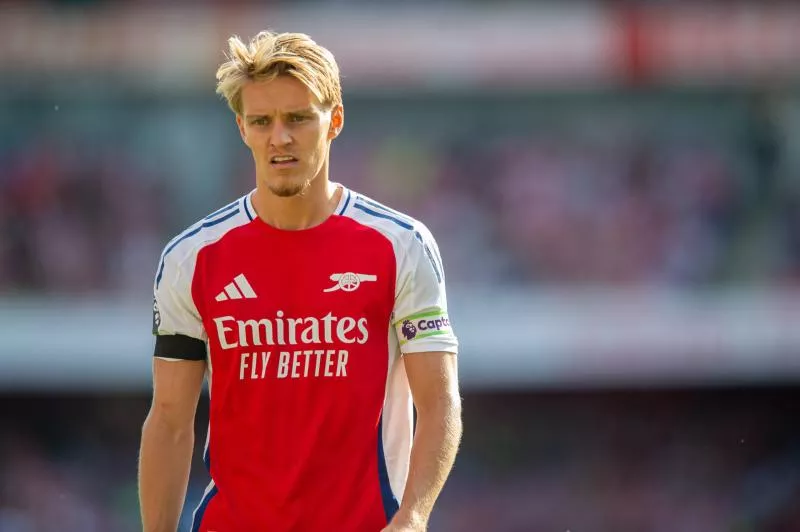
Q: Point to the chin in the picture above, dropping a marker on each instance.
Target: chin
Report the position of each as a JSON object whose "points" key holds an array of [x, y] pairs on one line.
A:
{"points": [[288, 189]]}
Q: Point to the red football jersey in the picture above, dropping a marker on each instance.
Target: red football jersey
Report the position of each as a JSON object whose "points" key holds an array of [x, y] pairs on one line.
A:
{"points": [[303, 333]]}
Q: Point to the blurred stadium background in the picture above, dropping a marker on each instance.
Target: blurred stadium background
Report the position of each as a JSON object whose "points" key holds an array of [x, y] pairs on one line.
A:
{"points": [[615, 187]]}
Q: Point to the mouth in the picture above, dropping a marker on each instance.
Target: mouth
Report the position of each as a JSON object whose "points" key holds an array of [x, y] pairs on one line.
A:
{"points": [[283, 161]]}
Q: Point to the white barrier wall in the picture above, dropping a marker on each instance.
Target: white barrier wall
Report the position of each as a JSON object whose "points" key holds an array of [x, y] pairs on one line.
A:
{"points": [[509, 339]]}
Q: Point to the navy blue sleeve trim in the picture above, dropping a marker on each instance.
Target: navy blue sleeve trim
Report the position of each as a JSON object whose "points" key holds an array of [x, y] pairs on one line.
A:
{"points": [[226, 208], [383, 215], [436, 266], [180, 346], [184, 236], [381, 207]]}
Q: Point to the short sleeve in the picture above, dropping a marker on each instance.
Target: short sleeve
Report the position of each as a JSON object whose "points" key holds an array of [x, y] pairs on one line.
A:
{"points": [[177, 324], [420, 313]]}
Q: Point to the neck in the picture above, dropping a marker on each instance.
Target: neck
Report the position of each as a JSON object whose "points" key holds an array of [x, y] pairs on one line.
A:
{"points": [[302, 211]]}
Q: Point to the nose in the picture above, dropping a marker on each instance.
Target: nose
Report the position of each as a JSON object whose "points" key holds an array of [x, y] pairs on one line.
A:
{"points": [[280, 134]]}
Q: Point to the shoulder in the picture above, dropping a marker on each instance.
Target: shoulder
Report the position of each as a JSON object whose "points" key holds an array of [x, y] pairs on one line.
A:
{"points": [[395, 225], [180, 252], [411, 239]]}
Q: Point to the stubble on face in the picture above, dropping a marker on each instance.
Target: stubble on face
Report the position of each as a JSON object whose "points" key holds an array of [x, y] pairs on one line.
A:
{"points": [[289, 190]]}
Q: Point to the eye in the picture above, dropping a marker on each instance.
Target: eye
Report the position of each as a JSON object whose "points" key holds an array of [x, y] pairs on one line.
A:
{"points": [[297, 118], [260, 121]]}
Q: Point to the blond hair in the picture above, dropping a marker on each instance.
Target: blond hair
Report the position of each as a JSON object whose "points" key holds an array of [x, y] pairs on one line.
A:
{"points": [[269, 55]]}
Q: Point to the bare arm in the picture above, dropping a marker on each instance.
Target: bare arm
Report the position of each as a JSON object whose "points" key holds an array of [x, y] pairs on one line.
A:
{"points": [[433, 379], [167, 442]]}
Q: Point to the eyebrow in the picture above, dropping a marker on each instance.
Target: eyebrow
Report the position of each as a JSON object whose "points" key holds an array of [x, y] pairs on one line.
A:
{"points": [[303, 111]]}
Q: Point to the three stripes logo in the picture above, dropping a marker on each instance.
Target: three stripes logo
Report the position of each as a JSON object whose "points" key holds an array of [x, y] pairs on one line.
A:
{"points": [[237, 289]]}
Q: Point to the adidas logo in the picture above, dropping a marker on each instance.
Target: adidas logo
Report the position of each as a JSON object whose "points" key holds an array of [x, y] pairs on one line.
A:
{"points": [[237, 289]]}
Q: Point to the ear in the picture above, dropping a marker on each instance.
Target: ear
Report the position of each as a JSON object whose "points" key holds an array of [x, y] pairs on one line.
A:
{"points": [[337, 121], [242, 131]]}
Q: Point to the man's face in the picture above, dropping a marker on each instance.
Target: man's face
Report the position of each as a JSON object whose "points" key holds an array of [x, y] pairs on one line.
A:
{"points": [[288, 131]]}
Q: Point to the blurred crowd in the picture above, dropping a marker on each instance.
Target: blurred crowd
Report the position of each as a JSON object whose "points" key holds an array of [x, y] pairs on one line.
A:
{"points": [[556, 210], [688, 461], [589, 204], [82, 3], [77, 218]]}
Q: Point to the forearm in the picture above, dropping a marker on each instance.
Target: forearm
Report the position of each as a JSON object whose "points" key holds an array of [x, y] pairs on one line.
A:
{"points": [[435, 446], [164, 463]]}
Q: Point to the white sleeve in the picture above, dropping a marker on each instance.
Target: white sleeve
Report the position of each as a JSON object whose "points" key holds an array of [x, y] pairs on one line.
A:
{"points": [[420, 312], [174, 311]]}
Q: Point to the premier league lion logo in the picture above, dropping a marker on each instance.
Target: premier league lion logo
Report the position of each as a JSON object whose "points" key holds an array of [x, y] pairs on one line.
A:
{"points": [[409, 331]]}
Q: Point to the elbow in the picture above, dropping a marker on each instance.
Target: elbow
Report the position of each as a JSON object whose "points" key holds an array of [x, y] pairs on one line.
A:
{"points": [[169, 422]]}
